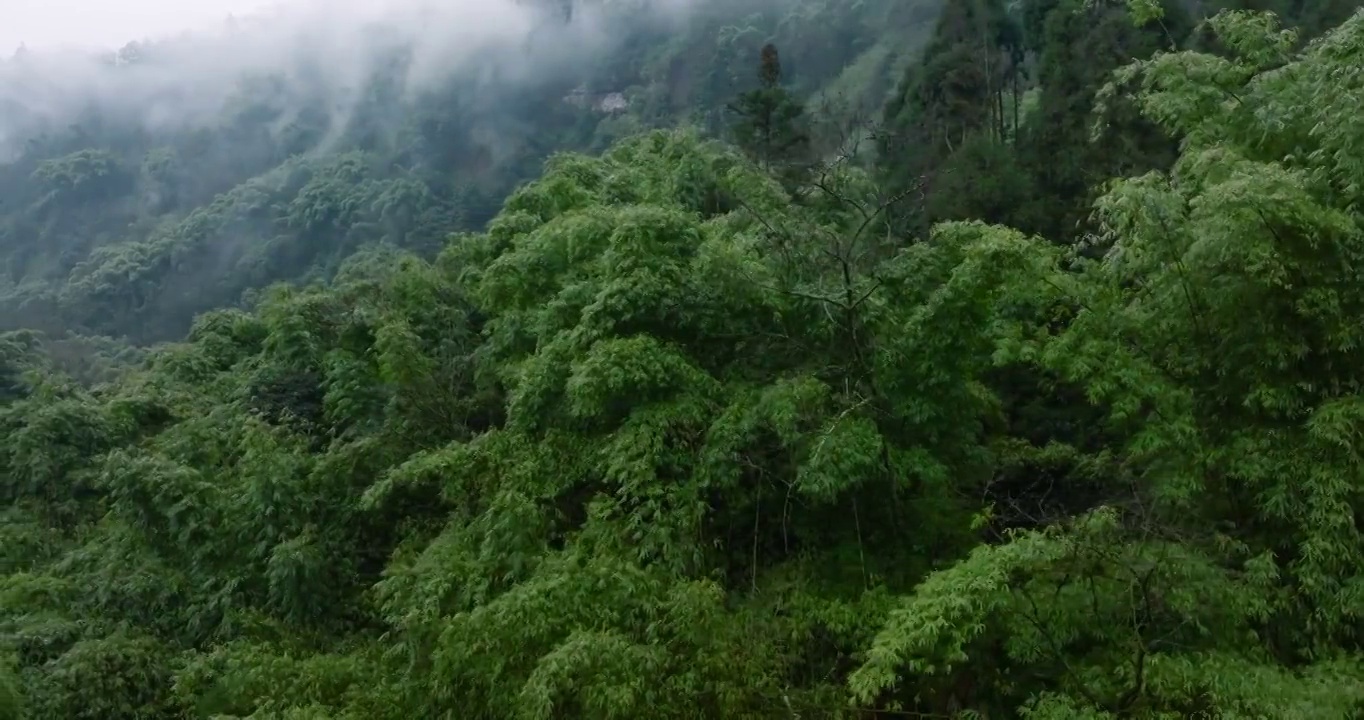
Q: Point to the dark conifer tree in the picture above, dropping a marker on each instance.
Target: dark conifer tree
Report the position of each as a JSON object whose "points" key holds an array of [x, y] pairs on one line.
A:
{"points": [[770, 125]]}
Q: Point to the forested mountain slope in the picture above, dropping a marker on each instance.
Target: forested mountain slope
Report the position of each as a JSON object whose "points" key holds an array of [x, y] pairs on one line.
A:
{"points": [[1036, 395], [181, 184]]}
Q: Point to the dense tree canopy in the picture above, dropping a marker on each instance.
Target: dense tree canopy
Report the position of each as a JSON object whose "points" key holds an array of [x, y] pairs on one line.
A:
{"points": [[680, 434]]}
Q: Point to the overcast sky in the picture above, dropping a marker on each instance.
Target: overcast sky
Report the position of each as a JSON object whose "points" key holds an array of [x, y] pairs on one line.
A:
{"points": [[107, 23]]}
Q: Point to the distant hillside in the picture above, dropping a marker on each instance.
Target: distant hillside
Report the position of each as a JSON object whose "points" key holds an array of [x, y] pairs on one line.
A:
{"points": [[169, 178]]}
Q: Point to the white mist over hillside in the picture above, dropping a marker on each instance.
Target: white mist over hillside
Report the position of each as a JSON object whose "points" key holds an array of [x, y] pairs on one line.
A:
{"points": [[317, 48], [100, 24]]}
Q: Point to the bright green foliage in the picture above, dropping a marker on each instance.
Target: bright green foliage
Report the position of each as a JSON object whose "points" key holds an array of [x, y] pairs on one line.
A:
{"points": [[602, 442], [1264, 199], [673, 439], [1220, 330], [668, 444]]}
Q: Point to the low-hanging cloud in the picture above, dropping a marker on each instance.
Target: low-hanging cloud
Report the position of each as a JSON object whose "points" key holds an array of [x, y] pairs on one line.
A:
{"points": [[94, 24], [322, 48]]}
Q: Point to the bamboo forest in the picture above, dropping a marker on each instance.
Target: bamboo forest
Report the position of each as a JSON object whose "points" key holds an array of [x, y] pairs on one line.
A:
{"points": [[690, 359]]}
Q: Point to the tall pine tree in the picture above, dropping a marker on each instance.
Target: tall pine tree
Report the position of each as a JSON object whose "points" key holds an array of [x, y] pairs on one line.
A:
{"points": [[770, 124]]}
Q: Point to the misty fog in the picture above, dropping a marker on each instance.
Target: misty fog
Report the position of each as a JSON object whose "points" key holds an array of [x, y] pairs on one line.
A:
{"points": [[98, 24], [322, 50], [144, 184]]}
